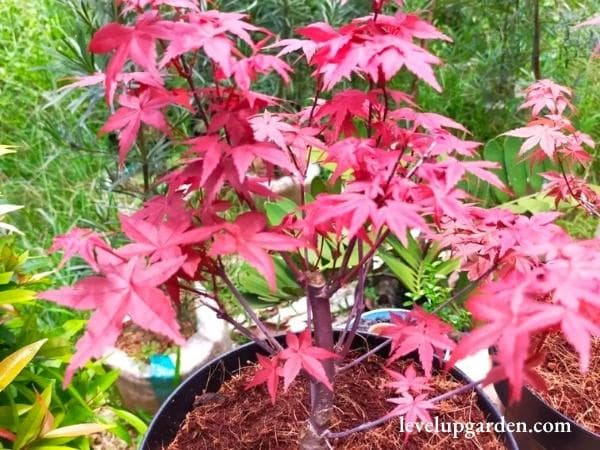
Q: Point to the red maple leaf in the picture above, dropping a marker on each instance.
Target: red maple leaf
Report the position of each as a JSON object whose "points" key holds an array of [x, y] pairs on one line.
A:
{"points": [[414, 409], [409, 381], [301, 354], [79, 241], [268, 374], [146, 107], [137, 43], [247, 238], [163, 241], [542, 134], [421, 332], [128, 289]]}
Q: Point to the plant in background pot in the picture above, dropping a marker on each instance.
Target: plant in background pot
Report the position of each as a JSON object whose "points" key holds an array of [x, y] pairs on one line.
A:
{"points": [[567, 387], [389, 168]]}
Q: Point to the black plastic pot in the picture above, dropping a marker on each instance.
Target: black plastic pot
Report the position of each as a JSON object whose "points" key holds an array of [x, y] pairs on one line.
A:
{"points": [[209, 378], [531, 410]]}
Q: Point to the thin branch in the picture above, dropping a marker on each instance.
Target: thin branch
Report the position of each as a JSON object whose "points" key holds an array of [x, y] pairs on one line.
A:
{"points": [[375, 423], [589, 207], [248, 309], [357, 311], [188, 75], [222, 314], [365, 356]]}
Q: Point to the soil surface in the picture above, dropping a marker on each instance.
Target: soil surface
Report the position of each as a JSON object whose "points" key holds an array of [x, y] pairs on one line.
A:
{"points": [[141, 344], [575, 395], [236, 418]]}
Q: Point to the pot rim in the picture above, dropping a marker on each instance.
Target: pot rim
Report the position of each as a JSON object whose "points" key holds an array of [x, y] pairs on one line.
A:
{"points": [[484, 403]]}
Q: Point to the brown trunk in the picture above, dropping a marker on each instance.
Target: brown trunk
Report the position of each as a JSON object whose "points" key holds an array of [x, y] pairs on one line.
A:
{"points": [[535, 54], [321, 397]]}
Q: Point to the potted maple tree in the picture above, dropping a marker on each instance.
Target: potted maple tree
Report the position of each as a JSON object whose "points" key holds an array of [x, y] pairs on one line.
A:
{"points": [[391, 169], [563, 388]]}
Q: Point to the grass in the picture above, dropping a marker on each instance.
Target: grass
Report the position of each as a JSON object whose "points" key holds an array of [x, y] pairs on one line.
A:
{"points": [[59, 185]]}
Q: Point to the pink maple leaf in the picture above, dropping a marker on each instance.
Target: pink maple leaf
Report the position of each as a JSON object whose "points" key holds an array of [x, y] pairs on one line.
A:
{"points": [[421, 332], [541, 133], [301, 354], [247, 238], [409, 381], [137, 43], [268, 127], [163, 241], [269, 374], [145, 108], [414, 409], [79, 241], [128, 289]]}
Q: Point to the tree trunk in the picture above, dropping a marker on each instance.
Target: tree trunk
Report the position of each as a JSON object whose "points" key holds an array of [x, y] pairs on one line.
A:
{"points": [[537, 31], [321, 398]]}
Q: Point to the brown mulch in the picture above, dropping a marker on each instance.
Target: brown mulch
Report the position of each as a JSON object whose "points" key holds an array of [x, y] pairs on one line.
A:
{"points": [[237, 419], [135, 341], [574, 394]]}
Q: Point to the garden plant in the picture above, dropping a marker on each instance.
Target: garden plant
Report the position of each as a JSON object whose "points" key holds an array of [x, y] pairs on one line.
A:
{"points": [[390, 168]]}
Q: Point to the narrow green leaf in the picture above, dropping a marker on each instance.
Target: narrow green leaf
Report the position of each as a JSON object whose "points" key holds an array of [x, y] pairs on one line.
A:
{"points": [[131, 419], [404, 273], [13, 364], [13, 296]]}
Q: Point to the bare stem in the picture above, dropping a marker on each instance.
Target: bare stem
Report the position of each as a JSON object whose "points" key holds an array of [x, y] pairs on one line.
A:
{"points": [[248, 309], [364, 356], [321, 395], [375, 423], [358, 309]]}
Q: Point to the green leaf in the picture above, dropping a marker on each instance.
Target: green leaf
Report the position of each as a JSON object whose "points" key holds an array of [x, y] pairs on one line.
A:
{"points": [[13, 296], [6, 277], [13, 364], [404, 273], [276, 211], [131, 419], [30, 427], [73, 431]]}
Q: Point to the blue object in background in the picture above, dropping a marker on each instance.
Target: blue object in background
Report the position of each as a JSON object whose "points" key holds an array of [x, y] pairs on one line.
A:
{"points": [[162, 376]]}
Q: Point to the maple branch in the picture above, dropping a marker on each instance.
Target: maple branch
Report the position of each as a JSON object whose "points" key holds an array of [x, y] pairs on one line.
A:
{"points": [[357, 311], [344, 266], [364, 356], [589, 207], [375, 423], [468, 288], [188, 76], [224, 315], [144, 157], [365, 260], [248, 309], [321, 396], [315, 101]]}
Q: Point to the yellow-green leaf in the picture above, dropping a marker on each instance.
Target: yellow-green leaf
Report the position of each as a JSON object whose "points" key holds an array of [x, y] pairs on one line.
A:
{"points": [[13, 296], [31, 427], [13, 364], [6, 149], [83, 429]]}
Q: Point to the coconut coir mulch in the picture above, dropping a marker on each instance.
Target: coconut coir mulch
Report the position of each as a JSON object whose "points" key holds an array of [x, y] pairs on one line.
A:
{"points": [[135, 341], [239, 419], [574, 394]]}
